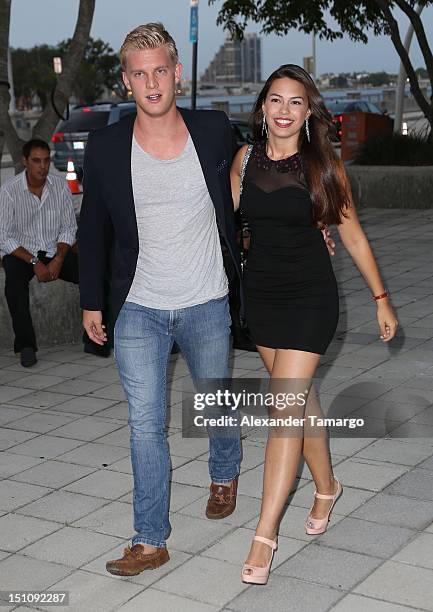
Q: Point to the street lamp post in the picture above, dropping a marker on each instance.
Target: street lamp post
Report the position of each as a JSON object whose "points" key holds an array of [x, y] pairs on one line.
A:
{"points": [[193, 37]]}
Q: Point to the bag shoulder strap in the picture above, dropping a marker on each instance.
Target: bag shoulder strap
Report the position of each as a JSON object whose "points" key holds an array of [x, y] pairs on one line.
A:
{"points": [[244, 166]]}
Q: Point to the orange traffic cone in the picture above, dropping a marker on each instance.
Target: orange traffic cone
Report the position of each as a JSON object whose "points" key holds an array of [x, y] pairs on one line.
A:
{"points": [[71, 179]]}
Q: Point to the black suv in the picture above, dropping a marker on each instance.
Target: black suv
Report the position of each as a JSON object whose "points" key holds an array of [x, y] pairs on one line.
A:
{"points": [[70, 138]]}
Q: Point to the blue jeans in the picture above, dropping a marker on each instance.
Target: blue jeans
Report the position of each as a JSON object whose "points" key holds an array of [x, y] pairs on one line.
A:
{"points": [[143, 338]]}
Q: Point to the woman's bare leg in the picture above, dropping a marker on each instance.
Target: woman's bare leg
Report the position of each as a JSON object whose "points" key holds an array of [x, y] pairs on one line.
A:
{"points": [[283, 453]]}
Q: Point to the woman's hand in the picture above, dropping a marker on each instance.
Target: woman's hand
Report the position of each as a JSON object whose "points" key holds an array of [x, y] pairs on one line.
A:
{"points": [[387, 320]]}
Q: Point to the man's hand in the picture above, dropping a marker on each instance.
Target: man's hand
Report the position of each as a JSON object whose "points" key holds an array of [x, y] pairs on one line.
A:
{"points": [[329, 242], [54, 267], [42, 272], [92, 323]]}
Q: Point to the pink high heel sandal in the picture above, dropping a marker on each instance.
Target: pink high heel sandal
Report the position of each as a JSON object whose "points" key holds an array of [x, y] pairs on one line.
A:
{"points": [[259, 575], [314, 526]]}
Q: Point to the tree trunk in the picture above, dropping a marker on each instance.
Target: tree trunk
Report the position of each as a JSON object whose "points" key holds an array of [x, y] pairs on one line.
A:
{"points": [[8, 134], [46, 125], [425, 105], [47, 122]]}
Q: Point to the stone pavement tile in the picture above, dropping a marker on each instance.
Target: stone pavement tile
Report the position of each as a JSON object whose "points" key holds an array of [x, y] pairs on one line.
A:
{"points": [[19, 531], [8, 394], [409, 395], [103, 483], [158, 601], [395, 510], [41, 399], [84, 405], [46, 447], [425, 417], [108, 375], [70, 370], [114, 391], [62, 506], [417, 484], [146, 578], [40, 366], [11, 464], [368, 474], [41, 422], [120, 437], [418, 552], [427, 464], [70, 546], [348, 446], [251, 482], [429, 529], [122, 465], [395, 451], [113, 519], [20, 573], [90, 592], [76, 386], [188, 447], [204, 579], [365, 537], [9, 375], [284, 594], [191, 535], [234, 548], [194, 472], [247, 508], [54, 474], [339, 569], [414, 433], [350, 499], [16, 494], [182, 495], [400, 583], [114, 410], [95, 455], [87, 428], [249, 361], [293, 523], [360, 603], [12, 437], [10, 413], [392, 411], [37, 381]]}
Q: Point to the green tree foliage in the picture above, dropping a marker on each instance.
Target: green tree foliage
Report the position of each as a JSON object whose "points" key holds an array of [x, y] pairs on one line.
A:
{"points": [[34, 73]]}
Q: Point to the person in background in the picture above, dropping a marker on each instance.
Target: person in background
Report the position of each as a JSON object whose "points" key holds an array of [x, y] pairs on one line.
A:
{"points": [[37, 229]]}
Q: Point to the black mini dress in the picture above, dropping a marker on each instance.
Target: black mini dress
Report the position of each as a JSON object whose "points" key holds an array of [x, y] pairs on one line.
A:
{"points": [[291, 295]]}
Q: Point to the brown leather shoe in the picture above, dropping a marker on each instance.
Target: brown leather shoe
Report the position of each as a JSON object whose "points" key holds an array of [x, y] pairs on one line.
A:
{"points": [[134, 561], [222, 500]]}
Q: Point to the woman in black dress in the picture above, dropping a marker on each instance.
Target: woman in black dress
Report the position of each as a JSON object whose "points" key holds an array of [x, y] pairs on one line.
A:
{"points": [[290, 185]]}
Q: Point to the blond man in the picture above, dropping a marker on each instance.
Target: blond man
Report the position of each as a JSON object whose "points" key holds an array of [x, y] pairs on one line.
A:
{"points": [[157, 208]]}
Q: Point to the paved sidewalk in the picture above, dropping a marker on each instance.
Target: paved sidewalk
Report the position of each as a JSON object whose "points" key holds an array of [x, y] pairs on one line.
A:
{"points": [[65, 475]]}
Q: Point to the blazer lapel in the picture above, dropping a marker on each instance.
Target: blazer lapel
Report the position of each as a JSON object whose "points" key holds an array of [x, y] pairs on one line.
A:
{"points": [[208, 161], [123, 171]]}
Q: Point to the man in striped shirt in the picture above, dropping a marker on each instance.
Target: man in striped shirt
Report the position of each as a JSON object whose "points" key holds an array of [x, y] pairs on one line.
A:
{"points": [[37, 229]]}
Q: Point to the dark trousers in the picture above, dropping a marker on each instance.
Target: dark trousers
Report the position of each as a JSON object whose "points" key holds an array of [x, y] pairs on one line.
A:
{"points": [[18, 275]]}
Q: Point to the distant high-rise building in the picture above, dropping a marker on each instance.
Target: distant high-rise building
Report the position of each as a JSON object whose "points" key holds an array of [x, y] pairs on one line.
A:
{"points": [[236, 62]]}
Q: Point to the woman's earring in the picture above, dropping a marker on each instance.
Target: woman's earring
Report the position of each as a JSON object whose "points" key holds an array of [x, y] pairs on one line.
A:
{"points": [[307, 129], [264, 126]]}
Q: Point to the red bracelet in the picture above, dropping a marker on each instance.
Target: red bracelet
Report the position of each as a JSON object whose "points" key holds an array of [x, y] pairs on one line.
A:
{"points": [[381, 296]]}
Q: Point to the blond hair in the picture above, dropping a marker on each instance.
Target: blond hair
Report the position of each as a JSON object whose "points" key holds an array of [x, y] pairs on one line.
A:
{"points": [[148, 36]]}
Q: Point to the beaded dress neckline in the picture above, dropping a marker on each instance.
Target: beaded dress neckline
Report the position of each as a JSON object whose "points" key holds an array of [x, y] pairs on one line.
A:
{"points": [[293, 163]]}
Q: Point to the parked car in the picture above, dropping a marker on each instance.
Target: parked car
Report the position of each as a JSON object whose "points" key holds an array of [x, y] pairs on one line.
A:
{"points": [[340, 107], [71, 136]]}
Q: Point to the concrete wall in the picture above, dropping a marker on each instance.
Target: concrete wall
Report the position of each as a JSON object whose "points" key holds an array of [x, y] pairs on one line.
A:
{"points": [[392, 186], [55, 311]]}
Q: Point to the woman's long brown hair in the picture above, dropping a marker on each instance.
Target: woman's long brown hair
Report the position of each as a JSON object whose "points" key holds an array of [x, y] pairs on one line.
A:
{"points": [[324, 171]]}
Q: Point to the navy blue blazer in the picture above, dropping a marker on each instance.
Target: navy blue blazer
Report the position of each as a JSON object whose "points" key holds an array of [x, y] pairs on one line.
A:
{"points": [[108, 236]]}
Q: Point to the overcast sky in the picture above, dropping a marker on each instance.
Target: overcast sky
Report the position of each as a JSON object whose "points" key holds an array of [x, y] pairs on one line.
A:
{"points": [[49, 21]]}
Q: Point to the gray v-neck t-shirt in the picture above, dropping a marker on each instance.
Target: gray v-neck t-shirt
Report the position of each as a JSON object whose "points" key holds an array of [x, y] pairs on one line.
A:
{"points": [[180, 260]]}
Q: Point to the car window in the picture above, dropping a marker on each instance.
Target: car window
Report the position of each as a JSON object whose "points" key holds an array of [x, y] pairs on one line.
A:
{"points": [[350, 108], [84, 121], [244, 129], [129, 110], [373, 108]]}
